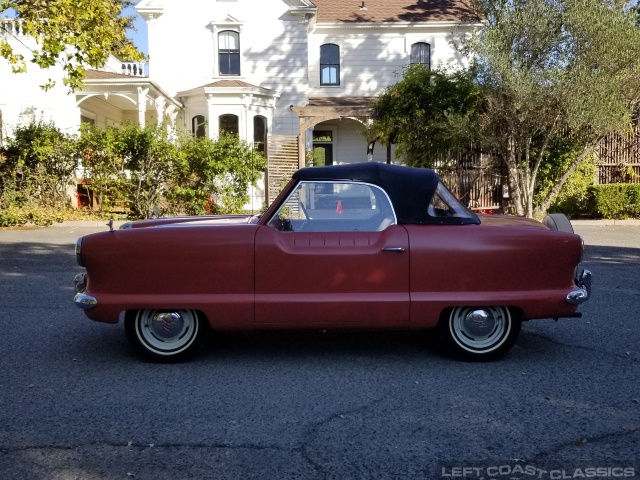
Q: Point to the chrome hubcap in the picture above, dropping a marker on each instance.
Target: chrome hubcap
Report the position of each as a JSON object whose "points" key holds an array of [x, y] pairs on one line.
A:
{"points": [[167, 332], [480, 328], [479, 323], [167, 325]]}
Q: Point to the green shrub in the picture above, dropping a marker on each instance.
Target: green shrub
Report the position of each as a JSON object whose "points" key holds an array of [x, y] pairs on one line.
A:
{"points": [[616, 200], [573, 199]]}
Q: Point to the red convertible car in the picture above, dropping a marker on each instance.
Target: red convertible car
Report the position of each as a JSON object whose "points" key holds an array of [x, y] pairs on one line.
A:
{"points": [[353, 246]]}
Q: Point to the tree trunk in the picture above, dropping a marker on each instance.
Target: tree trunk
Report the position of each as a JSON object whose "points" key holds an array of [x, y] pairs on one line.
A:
{"points": [[555, 190], [515, 192]]}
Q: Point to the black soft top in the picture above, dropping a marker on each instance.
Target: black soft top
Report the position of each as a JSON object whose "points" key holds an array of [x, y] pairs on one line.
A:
{"points": [[410, 189]]}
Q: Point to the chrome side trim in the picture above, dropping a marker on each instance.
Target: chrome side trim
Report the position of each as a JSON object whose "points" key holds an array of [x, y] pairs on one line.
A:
{"points": [[583, 282], [393, 249], [85, 302]]}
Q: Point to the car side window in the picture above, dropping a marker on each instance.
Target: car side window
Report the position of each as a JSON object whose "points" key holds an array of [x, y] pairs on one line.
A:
{"points": [[334, 206], [445, 204]]}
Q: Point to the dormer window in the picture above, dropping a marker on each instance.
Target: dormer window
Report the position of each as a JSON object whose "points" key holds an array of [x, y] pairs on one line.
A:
{"points": [[229, 52]]}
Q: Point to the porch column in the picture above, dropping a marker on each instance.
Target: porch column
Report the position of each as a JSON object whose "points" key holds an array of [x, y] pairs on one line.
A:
{"points": [[172, 112], [161, 104], [213, 122], [142, 106], [302, 134]]}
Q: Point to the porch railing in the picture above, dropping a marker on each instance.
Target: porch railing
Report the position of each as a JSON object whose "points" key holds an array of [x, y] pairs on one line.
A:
{"points": [[134, 69], [11, 27]]}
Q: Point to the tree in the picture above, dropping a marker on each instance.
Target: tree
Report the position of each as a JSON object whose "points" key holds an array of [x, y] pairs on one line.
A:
{"points": [[426, 114], [41, 161], [543, 73], [148, 169], [37, 167], [552, 70], [224, 168], [129, 164], [74, 33]]}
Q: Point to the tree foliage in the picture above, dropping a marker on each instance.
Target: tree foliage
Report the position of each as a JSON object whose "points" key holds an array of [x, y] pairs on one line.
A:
{"points": [[148, 170], [427, 114], [37, 167], [545, 72], [224, 169], [73, 33], [550, 70], [129, 167]]}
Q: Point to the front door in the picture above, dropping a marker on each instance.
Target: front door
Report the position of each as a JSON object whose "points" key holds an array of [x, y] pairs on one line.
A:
{"points": [[333, 256]]}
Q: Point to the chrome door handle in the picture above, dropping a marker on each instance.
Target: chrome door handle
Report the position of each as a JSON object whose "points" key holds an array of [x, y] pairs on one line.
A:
{"points": [[393, 249]]}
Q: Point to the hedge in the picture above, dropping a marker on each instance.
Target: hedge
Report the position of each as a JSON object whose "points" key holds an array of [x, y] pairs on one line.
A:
{"points": [[615, 200]]}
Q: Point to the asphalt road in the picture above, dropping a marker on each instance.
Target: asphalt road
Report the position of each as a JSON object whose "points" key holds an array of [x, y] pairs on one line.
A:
{"points": [[77, 403]]}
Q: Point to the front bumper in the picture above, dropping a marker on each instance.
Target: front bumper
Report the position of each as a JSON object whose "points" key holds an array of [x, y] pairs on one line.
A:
{"points": [[583, 292], [82, 300]]}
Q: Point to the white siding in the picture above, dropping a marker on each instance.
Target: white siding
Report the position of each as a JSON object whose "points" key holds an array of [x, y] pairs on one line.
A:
{"points": [[22, 100], [273, 48], [278, 52], [371, 59]]}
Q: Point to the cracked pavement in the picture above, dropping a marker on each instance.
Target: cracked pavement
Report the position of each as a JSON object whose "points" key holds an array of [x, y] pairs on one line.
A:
{"points": [[77, 403]]}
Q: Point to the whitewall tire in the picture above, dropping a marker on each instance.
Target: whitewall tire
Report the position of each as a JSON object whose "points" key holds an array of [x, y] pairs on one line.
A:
{"points": [[480, 333], [166, 335]]}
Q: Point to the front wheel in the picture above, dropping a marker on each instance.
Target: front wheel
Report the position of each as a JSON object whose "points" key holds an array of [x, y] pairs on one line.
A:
{"points": [[165, 335], [480, 333]]}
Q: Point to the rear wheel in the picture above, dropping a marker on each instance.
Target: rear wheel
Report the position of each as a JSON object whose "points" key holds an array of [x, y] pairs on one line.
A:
{"points": [[480, 333], [166, 335]]}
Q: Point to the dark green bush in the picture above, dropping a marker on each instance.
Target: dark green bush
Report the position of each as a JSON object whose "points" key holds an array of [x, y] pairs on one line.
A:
{"points": [[573, 199], [616, 200]]}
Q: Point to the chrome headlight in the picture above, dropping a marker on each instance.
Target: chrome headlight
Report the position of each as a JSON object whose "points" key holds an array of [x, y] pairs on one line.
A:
{"points": [[79, 251]]}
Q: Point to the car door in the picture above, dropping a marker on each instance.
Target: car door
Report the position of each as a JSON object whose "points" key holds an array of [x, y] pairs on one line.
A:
{"points": [[333, 256]]}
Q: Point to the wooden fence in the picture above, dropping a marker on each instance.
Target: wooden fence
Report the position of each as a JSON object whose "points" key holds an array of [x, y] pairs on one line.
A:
{"points": [[282, 154], [476, 179], [618, 157]]}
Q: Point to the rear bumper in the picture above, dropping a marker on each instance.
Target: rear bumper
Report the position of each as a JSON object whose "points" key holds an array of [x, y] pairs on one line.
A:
{"points": [[85, 302], [583, 292]]}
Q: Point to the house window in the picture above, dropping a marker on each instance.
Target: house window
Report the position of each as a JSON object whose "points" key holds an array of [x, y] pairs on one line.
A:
{"points": [[229, 124], [87, 120], [259, 133], [421, 54], [229, 52], [198, 126], [329, 64]]}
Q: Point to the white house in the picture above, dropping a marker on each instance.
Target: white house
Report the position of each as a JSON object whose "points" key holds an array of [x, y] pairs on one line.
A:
{"points": [[289, 76]]}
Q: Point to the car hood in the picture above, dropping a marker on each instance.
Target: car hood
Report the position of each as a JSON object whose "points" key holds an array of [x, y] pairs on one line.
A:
{"points": [[204, 220], [509, 221]]}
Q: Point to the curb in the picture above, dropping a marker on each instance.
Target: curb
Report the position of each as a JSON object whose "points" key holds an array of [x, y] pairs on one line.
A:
{"points": [[607, 222]]}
